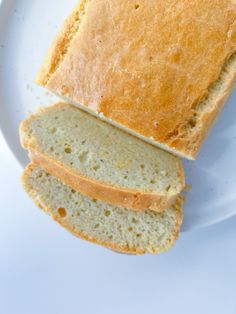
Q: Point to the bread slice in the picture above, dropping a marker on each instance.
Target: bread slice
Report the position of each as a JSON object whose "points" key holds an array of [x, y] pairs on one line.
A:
{"points": [[161, 70], [102, 161], [116, 228]]}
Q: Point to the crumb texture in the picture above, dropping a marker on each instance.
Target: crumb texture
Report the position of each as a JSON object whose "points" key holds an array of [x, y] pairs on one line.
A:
{"points": [[93, 220], [101, 152]]}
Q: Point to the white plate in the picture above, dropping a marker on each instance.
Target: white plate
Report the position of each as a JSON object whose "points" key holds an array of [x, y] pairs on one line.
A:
{"points": [[26, 31]]}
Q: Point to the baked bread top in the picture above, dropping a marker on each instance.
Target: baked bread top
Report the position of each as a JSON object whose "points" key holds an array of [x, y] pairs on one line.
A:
{"points": [[161, 69]]}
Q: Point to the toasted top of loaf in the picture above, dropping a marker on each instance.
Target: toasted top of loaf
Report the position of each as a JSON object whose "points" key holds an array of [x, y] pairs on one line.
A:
{"points": [[116, 228], [102, 161], [160, 69]]}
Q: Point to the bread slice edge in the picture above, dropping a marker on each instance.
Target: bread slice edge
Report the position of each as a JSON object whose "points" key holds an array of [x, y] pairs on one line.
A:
{"points": [[131, 199], [81, 235]]}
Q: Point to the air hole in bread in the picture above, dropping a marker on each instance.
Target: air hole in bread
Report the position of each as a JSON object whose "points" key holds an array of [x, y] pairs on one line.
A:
{"points": [[67, 150], [138, 235], [153, 182], [83, 157], [168, 188], [107, 213], [96, 167], [136, 6], [96, 226], [62, 212], [53, 130], [130, 229]]}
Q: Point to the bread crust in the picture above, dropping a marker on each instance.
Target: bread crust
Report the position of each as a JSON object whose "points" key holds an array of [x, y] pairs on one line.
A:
{"points": [[112, 246], [60, 45], [149, 85]]}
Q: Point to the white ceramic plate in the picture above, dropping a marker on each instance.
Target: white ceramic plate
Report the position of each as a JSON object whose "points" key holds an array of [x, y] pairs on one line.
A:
{"points": [[26, 31]]}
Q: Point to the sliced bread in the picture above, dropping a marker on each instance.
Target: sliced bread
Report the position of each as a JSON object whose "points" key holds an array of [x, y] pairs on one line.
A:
{"points": [[101, 161], [117, 228]]}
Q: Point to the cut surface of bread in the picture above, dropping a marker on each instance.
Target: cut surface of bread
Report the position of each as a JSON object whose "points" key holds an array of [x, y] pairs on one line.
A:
{"points": [[102, 161], [161, 70], [117, 228]]}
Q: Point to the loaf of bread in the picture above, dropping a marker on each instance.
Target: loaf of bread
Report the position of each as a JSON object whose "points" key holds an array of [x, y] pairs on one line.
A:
{"points": [[161, 70], [116, 228], [101, 161]]}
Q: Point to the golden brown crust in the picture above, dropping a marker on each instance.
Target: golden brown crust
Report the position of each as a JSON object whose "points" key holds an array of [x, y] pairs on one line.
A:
{"points": [[61, 44], [114, 247], [211, 106], [146, 68]]}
